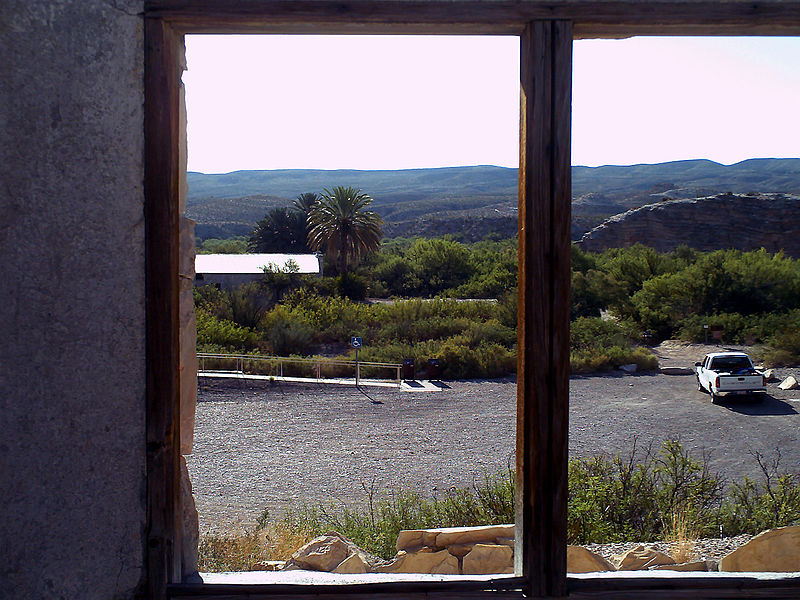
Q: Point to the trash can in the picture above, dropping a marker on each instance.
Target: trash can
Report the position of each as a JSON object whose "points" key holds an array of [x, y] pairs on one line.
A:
{"points": [[408, 368], [434, 370]]}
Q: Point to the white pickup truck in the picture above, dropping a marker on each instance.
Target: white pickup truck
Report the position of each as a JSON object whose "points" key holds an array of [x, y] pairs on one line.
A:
{"points": [[729, 373]]}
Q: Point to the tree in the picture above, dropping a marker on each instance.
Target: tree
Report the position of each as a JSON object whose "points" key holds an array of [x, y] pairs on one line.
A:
{"points": [[339, 223], [305, 202], [281, 230]]}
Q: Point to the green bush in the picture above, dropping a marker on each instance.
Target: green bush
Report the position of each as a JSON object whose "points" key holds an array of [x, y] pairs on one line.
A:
{"points": [[598, 345], [221, 334], [286, 333], [619, 498], [375, 529]]}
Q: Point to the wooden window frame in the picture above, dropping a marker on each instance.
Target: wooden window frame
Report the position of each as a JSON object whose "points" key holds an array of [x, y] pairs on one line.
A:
{"points": [[546, 31]]}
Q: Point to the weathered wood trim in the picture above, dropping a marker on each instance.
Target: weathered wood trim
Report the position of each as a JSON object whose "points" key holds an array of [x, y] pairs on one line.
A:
{"points": [[500, 589], [592, 18], [687, 586], [589, 587], [162, 328], [543, 315]]}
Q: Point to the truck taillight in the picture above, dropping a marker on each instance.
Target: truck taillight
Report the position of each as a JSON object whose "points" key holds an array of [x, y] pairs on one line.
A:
{"points": [[763, 381], [716, 382]]}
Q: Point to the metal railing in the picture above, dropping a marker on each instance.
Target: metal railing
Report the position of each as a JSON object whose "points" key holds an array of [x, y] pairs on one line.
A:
{"points": [[294, 366]]}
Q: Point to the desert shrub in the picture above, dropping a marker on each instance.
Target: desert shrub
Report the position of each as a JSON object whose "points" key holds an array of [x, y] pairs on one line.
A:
{"points": [[213, 300], [249, 303], [232, 245], [230, 552], [351, 286], [375, 528], [756, 505], [439, 264], [591, 292], [784, 347], [286, 333], [605, 359], [725, 281], [635, 496], [641, 495], [598, 345], [214, 334]]}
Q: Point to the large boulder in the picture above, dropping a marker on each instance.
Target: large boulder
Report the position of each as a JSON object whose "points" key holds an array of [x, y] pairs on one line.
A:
{"points": [[328, 552], [488, 559], [440, 563], [697, 565], [776, 550], [641, 557], [790, 383], [581, 560], [414, 539]]}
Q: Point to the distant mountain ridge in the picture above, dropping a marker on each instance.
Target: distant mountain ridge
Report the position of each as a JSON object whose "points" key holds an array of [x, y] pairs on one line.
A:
{"points": [[471, 202]]}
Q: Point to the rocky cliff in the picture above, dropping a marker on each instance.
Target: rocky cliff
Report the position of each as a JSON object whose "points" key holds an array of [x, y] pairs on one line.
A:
{"points": [[743, 222]]}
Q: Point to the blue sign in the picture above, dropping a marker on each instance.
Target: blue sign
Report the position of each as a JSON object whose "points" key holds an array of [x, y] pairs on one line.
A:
{"points": [[355, 342]]}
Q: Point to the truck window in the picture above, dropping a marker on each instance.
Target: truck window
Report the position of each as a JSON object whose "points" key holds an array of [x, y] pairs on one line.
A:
{"points": [[731, 363]]}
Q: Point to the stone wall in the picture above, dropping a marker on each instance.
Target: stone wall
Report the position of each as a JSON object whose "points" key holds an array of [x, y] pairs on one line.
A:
{"points": [[743, 222], [72, 369]]}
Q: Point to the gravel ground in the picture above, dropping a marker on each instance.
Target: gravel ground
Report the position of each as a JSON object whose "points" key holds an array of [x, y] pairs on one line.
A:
{"points": [[260, 447]]}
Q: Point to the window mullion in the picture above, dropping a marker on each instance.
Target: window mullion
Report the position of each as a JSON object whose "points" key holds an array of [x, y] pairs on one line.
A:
{"points": [[543, 328]]}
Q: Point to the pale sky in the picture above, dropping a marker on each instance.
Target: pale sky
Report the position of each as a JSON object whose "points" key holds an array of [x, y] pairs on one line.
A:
{"points": [[396, 102]]}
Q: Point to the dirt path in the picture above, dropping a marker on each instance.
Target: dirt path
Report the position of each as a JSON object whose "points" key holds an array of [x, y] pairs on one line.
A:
{"points": [[259, 447]]}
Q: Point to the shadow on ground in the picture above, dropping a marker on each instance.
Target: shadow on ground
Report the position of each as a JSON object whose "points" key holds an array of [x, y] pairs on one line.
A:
{"points": [[765, 407]]}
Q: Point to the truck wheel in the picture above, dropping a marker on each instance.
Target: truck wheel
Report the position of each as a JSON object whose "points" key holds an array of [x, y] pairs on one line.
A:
{"points": [[700, 388], [714, 397]]}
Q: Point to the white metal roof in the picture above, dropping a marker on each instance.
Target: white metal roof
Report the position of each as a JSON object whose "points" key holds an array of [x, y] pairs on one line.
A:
{"points": [[220, 264]]}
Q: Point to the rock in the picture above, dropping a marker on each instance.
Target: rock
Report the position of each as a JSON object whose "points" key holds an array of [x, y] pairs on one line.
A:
{"points": [[790, 383], [327, 552], [581, 560], [268, 565], [460, 550], [473, 535], [441, 563], [352, 564], [631, 368], [676, 370], [666, 225], [776, 550], [488, 559], [323, 553], [641, 557], [698, 565], [412, 540]]}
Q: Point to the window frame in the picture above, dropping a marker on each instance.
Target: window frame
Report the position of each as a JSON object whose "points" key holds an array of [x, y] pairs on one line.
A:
{"points": [[546, 31]]}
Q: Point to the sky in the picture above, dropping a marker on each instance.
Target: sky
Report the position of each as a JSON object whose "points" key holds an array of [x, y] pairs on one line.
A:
{"points": [[397, 102]]}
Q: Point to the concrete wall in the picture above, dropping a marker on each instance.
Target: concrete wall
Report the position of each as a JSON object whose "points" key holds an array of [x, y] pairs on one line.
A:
{"points": [[72, 370]]}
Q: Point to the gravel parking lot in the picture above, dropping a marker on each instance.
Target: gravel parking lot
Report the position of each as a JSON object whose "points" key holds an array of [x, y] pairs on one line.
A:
{"points": [[260, 447]]}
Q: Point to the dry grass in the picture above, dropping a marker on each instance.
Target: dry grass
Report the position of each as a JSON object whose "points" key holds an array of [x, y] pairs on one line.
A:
{"points": [[282, 541], [239, 551], [682, 534], [231, 552]]}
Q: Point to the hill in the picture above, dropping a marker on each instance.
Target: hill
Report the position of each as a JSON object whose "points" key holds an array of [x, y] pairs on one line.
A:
{"points": [[471, 202], [744, 222]]}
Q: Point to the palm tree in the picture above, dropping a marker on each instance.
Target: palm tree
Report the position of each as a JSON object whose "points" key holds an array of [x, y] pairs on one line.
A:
{"points": [[281, 230], [339, 223], [305, 202]]}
